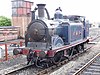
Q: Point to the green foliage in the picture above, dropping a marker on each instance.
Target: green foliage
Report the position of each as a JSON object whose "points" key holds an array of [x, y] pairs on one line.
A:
{"points": [[4, 21]]}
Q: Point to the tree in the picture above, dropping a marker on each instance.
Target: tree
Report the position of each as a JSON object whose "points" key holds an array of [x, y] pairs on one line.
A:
{"points": [[4, 21]]}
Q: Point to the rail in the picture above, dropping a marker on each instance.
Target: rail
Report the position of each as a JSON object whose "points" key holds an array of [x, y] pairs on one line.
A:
{"points": [[86, 65]]}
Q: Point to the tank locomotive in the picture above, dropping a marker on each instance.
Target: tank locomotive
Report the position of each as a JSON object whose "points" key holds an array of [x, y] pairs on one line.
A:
{"points": [[48, 40]]}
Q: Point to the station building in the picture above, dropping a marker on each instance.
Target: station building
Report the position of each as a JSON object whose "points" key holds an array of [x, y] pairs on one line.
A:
{"points": [[21, 14]]}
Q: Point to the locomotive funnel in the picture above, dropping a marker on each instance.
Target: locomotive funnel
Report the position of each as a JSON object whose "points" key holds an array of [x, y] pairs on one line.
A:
{"points": [[41, 8]]}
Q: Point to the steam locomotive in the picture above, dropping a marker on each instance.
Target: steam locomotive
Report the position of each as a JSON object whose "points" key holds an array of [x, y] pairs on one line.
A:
{"points": [[48, 40]]}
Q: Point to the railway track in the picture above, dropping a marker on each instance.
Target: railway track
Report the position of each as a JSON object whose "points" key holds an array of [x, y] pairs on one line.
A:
{"points": [[90, 68], [24, 69]]}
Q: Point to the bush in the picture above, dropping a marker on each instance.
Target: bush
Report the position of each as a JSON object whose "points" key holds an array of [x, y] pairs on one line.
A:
{"points": [[4, 21]]}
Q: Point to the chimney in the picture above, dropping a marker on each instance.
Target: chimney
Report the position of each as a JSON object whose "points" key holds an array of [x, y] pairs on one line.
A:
{"points": [[41, 8]]}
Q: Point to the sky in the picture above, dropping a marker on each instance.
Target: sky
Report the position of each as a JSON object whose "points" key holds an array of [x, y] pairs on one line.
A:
{"points": [[88, 8]]}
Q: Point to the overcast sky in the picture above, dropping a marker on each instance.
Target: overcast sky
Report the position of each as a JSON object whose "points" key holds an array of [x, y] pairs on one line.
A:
{"points": [[88, 8]]}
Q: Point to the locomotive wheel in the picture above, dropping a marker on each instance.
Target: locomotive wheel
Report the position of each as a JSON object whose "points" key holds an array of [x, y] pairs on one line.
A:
{"points": [[40, 63], [71, 52], [81, 48], [37, 63], [57, 58]]}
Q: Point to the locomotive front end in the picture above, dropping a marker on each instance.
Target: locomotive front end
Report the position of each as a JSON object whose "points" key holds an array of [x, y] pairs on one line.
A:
{"points": [[38, 31], [42, 32]]}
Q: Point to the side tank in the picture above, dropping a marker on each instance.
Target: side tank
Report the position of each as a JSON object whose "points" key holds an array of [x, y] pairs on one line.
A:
{"points": [[62, 31], [70, 32]]}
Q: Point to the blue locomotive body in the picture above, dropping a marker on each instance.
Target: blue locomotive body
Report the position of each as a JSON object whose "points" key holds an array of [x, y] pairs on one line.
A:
{"points": [[70, 32]]}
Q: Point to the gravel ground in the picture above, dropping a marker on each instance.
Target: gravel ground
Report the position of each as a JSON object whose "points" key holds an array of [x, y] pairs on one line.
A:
{"points": [[12, 62]]}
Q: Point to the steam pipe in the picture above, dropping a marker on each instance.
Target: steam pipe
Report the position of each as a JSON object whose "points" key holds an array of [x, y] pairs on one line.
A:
{"points": [[33, 14], [47, 14]]}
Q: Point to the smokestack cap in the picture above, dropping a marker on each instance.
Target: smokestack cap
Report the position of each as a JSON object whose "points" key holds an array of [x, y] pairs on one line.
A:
{"points": [[41, 4]]}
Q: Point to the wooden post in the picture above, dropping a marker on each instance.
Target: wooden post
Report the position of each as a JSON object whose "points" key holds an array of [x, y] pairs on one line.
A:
{"points": [[21, 43], [6, 52]]}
